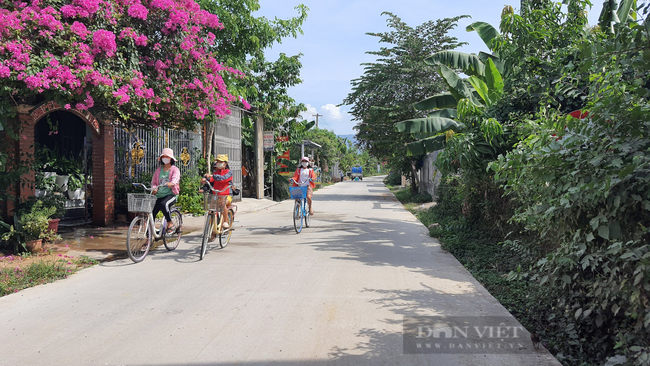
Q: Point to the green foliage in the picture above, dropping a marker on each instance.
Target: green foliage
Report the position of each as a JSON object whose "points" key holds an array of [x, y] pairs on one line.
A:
{"points": [[52, 201], [393, 179], [189, 198], [35, 222], [124, 187]]}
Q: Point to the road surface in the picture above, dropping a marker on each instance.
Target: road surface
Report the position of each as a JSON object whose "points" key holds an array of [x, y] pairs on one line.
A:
{"points": [[337, 293]]}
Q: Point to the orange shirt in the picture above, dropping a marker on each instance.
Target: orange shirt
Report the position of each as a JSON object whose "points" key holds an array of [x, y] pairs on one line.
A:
{"points": [[312, 175]]}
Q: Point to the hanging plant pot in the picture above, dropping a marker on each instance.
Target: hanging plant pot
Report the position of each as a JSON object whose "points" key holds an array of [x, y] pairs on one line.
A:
{"points": [[40, 193], [34, 246]]}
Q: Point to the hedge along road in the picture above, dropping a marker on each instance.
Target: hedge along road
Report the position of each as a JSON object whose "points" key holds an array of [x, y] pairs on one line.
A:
{"points": [[336, 293]]}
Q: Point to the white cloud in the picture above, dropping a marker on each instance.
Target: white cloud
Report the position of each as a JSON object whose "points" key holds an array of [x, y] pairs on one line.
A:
{"points": [[332, 111], [331, 118]]}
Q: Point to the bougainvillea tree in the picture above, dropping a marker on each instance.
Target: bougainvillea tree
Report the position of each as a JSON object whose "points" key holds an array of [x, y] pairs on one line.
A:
{"points": [[146, 61]]}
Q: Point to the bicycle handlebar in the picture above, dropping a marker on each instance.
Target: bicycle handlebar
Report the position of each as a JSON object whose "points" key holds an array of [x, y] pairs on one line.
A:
{"points": [[143, 186], [223, 190]]}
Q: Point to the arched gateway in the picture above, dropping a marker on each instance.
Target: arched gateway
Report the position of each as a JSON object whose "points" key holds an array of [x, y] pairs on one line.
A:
{"points": [[70, 133]]}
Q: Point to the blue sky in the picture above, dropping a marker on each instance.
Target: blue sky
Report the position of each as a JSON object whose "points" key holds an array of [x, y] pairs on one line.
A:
{"points": [[335, 41]]}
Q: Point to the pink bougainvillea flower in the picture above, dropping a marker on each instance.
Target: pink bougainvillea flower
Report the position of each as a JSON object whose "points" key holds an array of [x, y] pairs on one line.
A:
{"points": [[79, 29], [138, 11], [104, 40], [4, 71]]}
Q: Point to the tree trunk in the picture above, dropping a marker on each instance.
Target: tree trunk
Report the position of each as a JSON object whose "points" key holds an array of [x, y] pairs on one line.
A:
{"points": [[209, 133], [414, 179]]}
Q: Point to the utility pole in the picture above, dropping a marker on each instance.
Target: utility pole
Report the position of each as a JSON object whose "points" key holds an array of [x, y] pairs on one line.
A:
{"points": [[317, 115]]}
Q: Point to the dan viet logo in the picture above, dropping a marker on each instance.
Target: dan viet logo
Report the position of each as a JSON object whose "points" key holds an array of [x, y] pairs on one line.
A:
{"points": [[433, 334]]}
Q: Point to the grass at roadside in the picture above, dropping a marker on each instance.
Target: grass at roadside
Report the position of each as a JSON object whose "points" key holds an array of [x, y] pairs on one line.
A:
{"points": [[21, 272]]}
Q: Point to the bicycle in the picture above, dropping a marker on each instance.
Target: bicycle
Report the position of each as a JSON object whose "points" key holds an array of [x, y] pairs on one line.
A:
{"points": [[143, 229], [214, 220], [300, 208]]}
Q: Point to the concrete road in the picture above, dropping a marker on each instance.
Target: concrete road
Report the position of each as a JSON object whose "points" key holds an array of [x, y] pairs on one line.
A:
{"points": [[335, 294]]}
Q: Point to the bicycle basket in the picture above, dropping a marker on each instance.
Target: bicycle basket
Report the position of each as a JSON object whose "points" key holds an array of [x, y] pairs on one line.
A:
{"points": [[298, 193], [210, 202], [141, 202]]}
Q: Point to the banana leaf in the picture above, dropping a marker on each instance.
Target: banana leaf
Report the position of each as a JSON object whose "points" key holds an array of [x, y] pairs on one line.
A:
{"points": [[624, 10], [469, 63], [429, 125], [484, 57], [437, 101], [487, 32], [457, 86], [482, 89], [446, 113], [426, 146]]}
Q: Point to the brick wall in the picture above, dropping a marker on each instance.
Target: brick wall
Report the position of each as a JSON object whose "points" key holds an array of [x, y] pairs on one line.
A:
{"points": [[104, 176], [26, 146]]}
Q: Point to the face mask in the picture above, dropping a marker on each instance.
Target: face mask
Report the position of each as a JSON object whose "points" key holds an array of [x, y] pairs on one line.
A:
{"points": [[304, 164], [166, 160], [221, 165]]}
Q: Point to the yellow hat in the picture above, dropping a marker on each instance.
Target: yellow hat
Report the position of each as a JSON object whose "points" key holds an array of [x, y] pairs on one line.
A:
{"points": [[222, 157]]}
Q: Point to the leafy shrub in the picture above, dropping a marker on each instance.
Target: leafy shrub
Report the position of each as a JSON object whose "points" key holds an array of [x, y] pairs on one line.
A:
{"points": [[584, 188], [393, 179], [189, 198]]}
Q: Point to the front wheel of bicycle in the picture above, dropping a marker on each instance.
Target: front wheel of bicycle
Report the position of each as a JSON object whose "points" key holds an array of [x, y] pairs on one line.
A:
{"points": [[207, 231], [172, 239], [307, 216], [138, 239], [297, 217], [224, 238]]}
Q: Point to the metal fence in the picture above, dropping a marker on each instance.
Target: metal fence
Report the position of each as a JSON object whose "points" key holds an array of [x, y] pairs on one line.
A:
{"points": [[137, 150]]}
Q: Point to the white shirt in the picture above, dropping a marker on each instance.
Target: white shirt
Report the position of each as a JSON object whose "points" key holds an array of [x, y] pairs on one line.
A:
{"points": [[304, 177]]}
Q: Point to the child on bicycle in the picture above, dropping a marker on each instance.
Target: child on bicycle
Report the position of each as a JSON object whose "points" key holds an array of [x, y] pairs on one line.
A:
{"points": [[305, 176], [165, 184], [221, 178]]}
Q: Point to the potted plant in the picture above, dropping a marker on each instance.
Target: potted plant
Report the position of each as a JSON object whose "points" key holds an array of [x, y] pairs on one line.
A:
{"points": [[44, 184], [54, 204], [75, 185], [34, 225]]}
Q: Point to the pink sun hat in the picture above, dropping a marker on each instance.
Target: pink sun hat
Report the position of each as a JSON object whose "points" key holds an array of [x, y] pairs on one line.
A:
{"points": [[169, 152]]}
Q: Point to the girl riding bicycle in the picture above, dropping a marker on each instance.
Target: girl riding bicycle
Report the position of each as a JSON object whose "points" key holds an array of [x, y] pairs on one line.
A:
{"points": [[304, 176], [221, 177], [165, 184]]}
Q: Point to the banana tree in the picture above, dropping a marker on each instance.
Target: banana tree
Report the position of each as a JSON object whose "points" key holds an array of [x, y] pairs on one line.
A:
{"points": [[614, 13], [466, 96]]}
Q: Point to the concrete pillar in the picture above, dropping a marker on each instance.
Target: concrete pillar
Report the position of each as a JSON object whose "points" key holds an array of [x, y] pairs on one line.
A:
{"points": [[259, 157]]}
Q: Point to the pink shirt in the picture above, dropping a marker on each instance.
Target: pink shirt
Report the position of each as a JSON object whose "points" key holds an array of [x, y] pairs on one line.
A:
{"points": [[174, 177]]}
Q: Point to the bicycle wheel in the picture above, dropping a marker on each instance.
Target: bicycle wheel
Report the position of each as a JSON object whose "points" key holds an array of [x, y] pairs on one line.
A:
{"points": [[297, 217], [224, 238], [306, 211], [172, 239], [207, 231], [138, 239]]}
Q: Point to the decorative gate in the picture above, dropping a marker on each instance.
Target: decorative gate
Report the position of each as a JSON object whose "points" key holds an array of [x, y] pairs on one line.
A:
{"points": [[227, 140], [137, 150]]}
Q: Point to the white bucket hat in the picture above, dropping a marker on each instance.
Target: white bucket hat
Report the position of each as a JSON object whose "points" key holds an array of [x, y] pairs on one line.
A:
{"points": [[169, 152]]}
